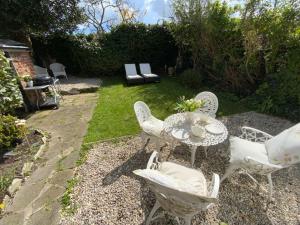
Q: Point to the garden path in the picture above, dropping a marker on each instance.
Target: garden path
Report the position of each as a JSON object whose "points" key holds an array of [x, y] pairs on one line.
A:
{"points": [[37, 201], [76, 85]]}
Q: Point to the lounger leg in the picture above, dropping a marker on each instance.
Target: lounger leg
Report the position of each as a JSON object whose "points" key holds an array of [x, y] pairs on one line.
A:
{"points": [[270, 184], [229, 171], [154, 209]]}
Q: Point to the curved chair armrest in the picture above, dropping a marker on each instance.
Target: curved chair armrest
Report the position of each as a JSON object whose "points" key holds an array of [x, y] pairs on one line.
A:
{"points": [[262, 166], [255, 135], [153, 162], [214, 186]]}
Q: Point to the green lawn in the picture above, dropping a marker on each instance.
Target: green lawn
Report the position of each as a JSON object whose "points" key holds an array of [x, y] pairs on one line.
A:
{"points": [[114, 115]]}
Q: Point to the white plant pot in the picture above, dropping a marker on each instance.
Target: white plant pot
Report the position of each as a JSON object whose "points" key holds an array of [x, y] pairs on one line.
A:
{"points": [[189, 117], [30, 83]]}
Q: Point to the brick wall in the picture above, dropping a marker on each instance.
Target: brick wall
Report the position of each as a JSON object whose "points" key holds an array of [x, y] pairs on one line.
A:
{"points": [[23, 63]]}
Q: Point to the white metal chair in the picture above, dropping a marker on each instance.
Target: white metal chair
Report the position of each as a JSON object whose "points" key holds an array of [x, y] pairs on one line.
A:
{"points": [[40, 71], [58, 69], [180, 191], [211, 103], [147, 74], [258, 152], [151, 126], [131, 75]]}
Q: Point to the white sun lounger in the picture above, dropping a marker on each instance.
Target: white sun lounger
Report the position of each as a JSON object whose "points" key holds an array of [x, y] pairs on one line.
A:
{"points": [[147, 74], [131, 75]]}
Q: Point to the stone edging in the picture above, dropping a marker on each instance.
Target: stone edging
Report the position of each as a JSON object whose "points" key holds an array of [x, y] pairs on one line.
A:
{"points": [[27, 167]]}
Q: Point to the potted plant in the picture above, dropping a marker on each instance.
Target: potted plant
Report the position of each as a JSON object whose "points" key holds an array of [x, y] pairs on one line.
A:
{"points": [[189, 105], [28, 80]]}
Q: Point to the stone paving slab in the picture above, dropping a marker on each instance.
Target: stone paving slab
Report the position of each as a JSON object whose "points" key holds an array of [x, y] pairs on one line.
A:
{"points": [[76, 85], [37, 201]]}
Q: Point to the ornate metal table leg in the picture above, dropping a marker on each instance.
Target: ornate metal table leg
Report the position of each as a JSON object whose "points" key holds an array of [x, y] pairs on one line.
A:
{"points": [[193, 154], [205, 151]]}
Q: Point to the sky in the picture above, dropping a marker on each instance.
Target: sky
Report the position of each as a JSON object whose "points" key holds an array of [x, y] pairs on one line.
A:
{"points": [[156, 10], [151, 11]]}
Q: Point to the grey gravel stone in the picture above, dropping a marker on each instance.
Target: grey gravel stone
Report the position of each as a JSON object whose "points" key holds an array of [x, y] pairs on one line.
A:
{"points": [[109, 193]]}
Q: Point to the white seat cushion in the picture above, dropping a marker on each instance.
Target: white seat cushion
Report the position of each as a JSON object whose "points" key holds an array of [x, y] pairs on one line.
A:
{"points": [[189, 180], [134, 76], [241, 149], [177, 177], [284, 148], [150, 75], [153, 126]]}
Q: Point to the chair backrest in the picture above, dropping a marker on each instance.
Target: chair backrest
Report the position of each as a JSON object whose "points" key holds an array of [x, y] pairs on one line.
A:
{"points": [[40, 70], [284, 148], [211, 102], [145, 68], [57, 67], [182, 203], [130, 69], [142, 111], [174, 201]]}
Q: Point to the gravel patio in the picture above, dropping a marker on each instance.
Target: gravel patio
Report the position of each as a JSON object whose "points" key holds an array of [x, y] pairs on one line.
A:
{"points": [[109, 193]]}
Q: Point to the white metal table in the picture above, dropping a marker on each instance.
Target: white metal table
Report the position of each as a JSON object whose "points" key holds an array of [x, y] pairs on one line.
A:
{"points": [[184, 122]]}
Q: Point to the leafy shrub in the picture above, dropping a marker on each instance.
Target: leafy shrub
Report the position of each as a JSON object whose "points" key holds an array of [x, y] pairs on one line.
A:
{"points": [[10, 95], [9, 132], [191, 78], [126, 43], [280, 95]]}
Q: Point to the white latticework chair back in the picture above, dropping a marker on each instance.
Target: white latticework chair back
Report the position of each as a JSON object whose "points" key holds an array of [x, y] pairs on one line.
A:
{"points": [[211, 103], [252, 134], [254, 163], [179, 203], [249, 153], [142, 112]]}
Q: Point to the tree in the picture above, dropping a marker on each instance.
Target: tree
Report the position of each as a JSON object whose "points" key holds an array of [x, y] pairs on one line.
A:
{"points": [[103, 14], [21, 18], [206, 31]]}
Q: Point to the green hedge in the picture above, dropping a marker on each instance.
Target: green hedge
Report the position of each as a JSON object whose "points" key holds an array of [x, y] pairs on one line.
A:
{"points": [[126, 43]]}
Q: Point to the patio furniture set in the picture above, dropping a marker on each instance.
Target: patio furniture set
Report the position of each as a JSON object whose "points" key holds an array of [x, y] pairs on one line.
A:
{"points": [[183, 192], [43, 82], [146, 75]]}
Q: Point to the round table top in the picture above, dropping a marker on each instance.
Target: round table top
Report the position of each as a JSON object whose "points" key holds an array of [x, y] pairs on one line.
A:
{"points": [[184, 121]]}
